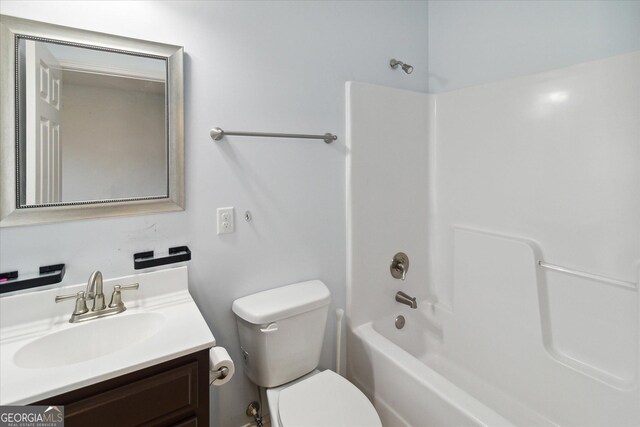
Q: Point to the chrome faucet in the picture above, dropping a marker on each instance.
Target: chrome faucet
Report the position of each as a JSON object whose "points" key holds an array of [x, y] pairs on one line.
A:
{"points": [[95, 293], [403, 298]]}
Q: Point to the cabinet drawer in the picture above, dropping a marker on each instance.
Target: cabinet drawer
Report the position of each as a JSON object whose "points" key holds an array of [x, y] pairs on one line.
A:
{"points": [[156, 400], [191, 422]]}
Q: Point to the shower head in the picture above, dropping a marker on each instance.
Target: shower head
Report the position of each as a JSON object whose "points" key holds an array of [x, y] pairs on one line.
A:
{"points": [[394, 63], [407, 68]]}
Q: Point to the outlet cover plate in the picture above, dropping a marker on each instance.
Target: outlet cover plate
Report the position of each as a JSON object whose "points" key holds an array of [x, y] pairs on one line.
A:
{"points": [[226, 223]]}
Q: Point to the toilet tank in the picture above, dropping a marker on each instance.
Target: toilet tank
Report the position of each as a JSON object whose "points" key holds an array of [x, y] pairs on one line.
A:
{"points": [[281, 331]]}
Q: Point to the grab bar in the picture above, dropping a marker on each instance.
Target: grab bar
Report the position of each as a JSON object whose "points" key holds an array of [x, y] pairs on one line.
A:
{"points": [[217, 134], [610, 281]]}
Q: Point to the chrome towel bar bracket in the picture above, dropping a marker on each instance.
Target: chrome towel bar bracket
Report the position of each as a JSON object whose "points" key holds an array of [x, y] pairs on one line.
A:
{"points": [[217, 134]]}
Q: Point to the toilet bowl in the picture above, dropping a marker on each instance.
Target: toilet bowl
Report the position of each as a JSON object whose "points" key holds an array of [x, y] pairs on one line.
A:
{"points": [[281, 334], [320, 399]]}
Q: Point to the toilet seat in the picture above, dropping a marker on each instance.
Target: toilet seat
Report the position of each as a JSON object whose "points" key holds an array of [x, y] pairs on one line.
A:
{"points": [[325, 399]]}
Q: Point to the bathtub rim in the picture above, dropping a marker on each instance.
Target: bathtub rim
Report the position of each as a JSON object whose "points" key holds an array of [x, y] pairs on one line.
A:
{"points": [[444, 389]]}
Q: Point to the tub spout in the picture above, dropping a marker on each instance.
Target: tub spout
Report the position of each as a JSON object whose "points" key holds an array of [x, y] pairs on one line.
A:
{"points": [[403, 298]]}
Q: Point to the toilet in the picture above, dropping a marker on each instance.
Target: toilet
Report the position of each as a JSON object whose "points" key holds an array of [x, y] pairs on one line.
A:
{"points": [[281, 333]]}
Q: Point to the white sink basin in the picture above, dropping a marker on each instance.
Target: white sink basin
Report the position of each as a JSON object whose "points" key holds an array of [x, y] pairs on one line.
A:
{"points": [[43, 355], [88, 340]]}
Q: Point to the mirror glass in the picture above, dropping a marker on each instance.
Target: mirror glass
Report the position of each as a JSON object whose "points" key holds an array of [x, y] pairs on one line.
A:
{"points": [[92, 124]]}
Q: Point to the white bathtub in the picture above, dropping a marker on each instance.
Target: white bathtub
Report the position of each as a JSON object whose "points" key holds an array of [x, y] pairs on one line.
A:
{"points": [[412, 381], [493, 361], [405, 389]]}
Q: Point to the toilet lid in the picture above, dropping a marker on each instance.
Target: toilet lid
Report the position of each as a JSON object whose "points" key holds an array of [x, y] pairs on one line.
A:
{"points": [[325, 399]]}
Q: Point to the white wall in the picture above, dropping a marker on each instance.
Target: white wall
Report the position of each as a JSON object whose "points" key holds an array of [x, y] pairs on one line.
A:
{"points": [[551, 159], [264, 66], [387, 196], [475, 42]]}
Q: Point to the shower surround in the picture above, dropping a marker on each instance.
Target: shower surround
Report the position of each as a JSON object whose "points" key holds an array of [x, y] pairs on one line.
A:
{"points": [[478, 186]]}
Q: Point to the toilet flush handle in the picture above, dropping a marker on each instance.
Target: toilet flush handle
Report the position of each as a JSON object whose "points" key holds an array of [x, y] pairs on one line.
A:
{"points": [[271, 327]]}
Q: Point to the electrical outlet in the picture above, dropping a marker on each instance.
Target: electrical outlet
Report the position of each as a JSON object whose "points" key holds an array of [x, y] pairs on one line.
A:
{"points": [[226, 222]]}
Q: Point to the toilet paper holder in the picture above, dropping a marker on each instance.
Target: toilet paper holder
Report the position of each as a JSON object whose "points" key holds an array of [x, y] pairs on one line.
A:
{"points": [[221, 367], [219, 374]]}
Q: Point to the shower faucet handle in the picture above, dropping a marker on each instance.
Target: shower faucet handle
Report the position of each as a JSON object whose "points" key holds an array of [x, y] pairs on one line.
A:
{"points": [[399, 266]]}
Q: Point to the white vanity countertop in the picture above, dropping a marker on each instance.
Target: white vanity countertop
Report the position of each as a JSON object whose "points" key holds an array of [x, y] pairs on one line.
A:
{"points": [[162, 301]]}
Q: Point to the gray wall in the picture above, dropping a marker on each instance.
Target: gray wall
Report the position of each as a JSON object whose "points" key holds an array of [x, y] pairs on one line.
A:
{"points": [[263, 66], [475, 42]]}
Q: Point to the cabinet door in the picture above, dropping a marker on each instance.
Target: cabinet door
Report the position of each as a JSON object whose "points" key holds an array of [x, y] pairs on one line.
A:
{"points": [[161, 399]]}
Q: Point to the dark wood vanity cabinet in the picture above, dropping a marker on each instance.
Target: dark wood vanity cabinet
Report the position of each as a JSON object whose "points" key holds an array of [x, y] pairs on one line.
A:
{"points": [[173, 393]]}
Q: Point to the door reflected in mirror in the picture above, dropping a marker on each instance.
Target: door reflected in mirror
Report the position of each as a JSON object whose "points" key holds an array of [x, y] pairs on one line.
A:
{"points": [[92, 124]]}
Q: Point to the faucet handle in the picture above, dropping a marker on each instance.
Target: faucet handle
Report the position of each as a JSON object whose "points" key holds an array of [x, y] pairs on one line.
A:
{"points": [[399, 266], [81, 302], [116, 296], [131, 287]]}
